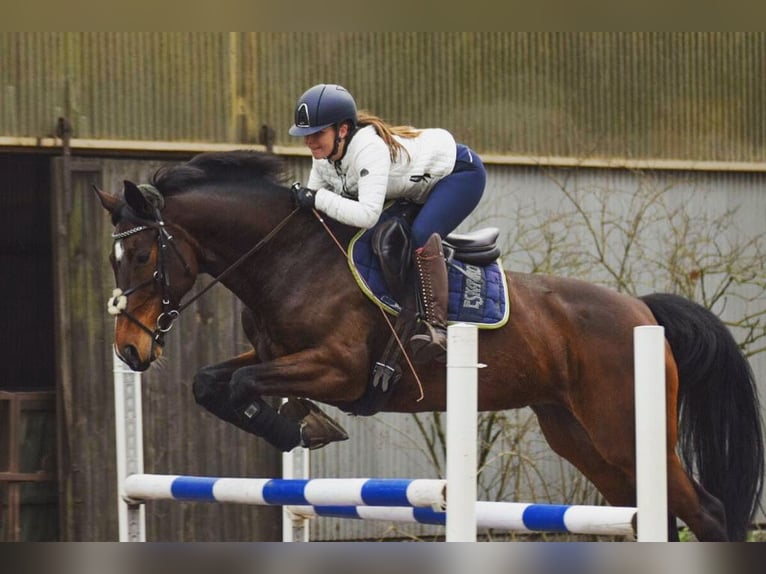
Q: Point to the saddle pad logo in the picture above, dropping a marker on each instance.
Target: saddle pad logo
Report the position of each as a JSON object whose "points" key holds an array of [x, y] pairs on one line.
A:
{"points": [[472, 297]]}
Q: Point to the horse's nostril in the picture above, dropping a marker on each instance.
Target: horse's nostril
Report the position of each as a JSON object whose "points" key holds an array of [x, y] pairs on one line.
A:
{"points": [[130, 356]]}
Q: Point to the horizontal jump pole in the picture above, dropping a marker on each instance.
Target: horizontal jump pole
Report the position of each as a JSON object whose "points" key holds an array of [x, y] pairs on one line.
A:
{"points": [[510, 516], [421, 493]]}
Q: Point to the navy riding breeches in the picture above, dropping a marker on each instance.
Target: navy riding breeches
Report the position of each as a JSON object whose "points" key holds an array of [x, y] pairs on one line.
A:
{"points": [[452, 198]]}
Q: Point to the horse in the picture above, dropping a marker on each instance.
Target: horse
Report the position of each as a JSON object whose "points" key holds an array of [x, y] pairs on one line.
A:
{"points": [[566, 350]]}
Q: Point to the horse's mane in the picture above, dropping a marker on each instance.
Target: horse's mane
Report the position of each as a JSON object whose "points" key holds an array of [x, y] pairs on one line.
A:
{"points": [[234, 166]]}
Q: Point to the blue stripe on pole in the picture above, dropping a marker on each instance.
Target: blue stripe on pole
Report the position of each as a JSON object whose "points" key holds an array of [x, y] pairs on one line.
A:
{"points": [[545, 517], [193, 488], [338, 511], [428, 516], [285, 491], [420, 515], [386, 492]]}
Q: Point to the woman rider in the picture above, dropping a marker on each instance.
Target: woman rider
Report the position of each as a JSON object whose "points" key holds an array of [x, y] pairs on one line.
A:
{"points": [[360, 161]]}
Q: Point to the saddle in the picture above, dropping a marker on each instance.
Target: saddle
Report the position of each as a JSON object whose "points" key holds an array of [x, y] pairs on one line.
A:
{"points": [[476, 248], [391, 243], [380, 260]]}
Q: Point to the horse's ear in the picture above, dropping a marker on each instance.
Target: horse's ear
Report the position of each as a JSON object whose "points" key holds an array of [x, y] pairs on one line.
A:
{"points": [[136, 200], [109, 201]]}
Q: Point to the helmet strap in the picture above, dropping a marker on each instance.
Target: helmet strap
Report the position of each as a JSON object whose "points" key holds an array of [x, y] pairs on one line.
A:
{"points": [[336, 143], [338, 139]]}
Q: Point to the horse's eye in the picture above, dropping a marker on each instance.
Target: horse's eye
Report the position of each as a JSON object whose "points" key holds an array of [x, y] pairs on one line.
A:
{"points": [[143, 258]]}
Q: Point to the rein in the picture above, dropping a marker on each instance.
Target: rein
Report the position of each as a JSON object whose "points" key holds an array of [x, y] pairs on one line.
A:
{"points": [[117, 304], [253, 250]]}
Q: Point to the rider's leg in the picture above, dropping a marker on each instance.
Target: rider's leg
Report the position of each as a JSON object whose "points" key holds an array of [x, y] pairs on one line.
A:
{"points": [[450, 201]]}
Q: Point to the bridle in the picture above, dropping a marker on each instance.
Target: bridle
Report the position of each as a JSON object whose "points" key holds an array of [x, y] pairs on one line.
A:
{"points": [[118, 302]]}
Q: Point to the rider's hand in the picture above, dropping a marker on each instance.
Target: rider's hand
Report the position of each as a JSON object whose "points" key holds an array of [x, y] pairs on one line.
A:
{"points": [[302, 196]]}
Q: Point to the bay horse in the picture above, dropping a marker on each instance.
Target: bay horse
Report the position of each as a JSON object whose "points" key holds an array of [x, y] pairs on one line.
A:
{"points": [[566, 352]]}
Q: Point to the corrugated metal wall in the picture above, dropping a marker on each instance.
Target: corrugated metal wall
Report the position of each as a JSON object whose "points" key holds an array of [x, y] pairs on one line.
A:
{"points": [[694, 96]]}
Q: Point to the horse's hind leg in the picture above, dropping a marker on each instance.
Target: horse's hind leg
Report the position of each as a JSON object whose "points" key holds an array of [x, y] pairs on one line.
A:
{"points": [[567, 437], [703, 513]]}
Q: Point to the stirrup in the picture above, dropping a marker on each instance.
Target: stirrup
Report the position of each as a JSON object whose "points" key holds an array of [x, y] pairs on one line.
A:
{"points": [[429, 346]]}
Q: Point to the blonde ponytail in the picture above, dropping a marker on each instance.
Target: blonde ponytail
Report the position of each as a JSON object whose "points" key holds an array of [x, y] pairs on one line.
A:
{"points": [[387, 133]]}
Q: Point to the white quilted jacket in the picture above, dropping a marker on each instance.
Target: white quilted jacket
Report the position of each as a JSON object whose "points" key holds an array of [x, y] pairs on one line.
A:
{"points": [[354, 189]]}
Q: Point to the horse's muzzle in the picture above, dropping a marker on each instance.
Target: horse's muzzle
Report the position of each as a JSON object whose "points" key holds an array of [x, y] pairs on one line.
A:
{"points": [[131, 357]]}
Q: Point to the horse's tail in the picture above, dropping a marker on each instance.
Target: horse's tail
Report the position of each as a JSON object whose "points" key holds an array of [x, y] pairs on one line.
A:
{"points": [[720, 434]]}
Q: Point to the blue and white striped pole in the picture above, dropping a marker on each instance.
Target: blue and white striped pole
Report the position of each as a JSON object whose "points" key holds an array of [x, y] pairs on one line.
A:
{"points": [[507, 516], [265, 491]]}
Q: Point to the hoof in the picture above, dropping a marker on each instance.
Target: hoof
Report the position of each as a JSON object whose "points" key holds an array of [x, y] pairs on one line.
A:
{"points": [[295, 409], [429, 346], [317, 429]]}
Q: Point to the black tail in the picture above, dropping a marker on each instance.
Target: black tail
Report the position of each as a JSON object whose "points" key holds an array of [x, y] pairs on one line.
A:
{"points": [[720, 433]]}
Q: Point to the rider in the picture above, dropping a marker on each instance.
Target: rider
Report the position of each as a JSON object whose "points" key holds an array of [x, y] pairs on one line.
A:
{"points": [[360, 161]]}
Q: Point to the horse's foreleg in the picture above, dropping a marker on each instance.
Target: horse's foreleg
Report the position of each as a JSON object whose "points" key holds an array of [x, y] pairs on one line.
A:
{"points": [[317, 429], [212, 390], [319, 373], [316, 373], [211, 385]]}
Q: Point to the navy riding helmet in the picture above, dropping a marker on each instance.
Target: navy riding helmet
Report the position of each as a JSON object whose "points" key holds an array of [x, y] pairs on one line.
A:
{"points": [[321, 106]]}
